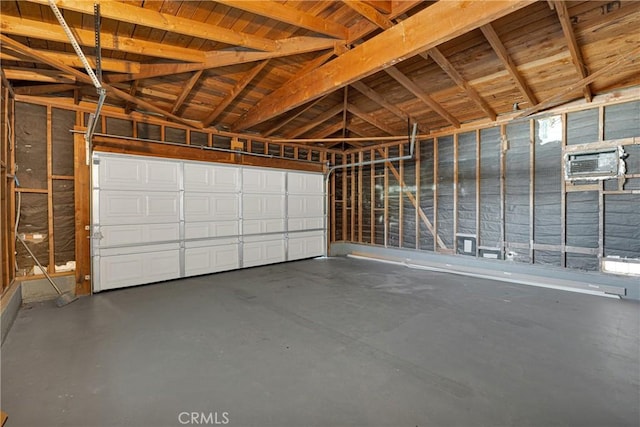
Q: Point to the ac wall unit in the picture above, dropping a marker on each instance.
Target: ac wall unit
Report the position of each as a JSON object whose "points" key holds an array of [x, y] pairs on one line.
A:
{"points": [[595, 165]]}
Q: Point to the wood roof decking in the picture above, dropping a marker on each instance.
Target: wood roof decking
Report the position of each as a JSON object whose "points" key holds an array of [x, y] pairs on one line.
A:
{"points": [[278, 68]]}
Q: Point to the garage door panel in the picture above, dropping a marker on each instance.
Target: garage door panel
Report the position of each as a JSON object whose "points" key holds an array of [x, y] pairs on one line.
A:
{"points": [[115, 235], [210, 178], [300, 206], [198, 230], [306, 245], [263, 252], [133, 173], [208, 206], [262, 181], [304, 183], [138, 207], [205, 260], [265, 206], [298, 224], [135, 269], [261, 226]]}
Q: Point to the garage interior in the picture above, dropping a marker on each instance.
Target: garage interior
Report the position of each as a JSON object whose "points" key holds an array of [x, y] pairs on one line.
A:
{"points": [[324, 213]]}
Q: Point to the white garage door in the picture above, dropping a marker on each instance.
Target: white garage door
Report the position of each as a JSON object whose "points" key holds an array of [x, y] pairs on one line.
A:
{"points": [[158, 219]]}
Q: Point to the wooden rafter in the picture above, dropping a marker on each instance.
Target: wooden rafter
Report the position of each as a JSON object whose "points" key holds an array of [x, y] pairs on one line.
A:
{"points": [[574, 49], [323, 133], [379, 99], [321, 118], [448, 68], [217, 59], [44, 89], [370, 13], [133, 89], [370, 119], [422, 95], [503, 55], [26, 50], [186, 90], [123, 12], [54, 32], [292, 117], [366, 27], [239, 87], [384, 6], [379, 52], [38, 75], [72, 60], [289, 15]]}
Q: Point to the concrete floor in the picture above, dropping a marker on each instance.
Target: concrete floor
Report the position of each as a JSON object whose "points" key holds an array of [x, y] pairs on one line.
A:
{"points": [[333, 342]]}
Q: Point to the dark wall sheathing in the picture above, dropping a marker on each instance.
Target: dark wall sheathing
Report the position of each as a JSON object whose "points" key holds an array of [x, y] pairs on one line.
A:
{"points": [[119, 127], [256, 147], [338, 177], [622, 120], [547, 257], [274, 149], [33, 220], [582, 227], [379, 203], [175, 135], [445, 190], [547, 193], [517, 188], [148, 131], [98, 127], [198, 138], [222, 142], [622, 225], [64, 223], [367, 202], [426, 192], [408, 210], [467, 183], [62, 121], [393, 215], [490, 223], [31, 146], [582, 127]]}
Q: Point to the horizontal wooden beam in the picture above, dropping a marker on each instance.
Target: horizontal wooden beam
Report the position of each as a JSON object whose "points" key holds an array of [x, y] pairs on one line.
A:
{"points": [[370, 13], [72, 60], [131, 14], [289, 15], [44, 89], [38, 75], [402, 41], [54, 32]]}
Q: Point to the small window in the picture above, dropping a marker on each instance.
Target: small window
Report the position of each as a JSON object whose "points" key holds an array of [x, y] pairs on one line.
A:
{"points": [[592, 165]]}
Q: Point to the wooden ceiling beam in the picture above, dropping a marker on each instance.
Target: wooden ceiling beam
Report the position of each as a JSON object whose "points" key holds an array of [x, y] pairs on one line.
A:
{"points": [[82, 77], [186, 90], [366, 27], [289, 15], [218, 59], [321, 118], [323, 133], [448, 68], [239, 87], [379, 99], [384, 6], [72, 60], [370, 119], [54, 32], [136, 15], [498, 47], [44, 89], [38, 75], [133, 89], [370, 13], [423, 96], [574, 49], [402, 41]]}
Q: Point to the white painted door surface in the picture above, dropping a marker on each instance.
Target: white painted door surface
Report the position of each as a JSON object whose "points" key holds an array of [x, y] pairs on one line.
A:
{"points": [[160, 219]]}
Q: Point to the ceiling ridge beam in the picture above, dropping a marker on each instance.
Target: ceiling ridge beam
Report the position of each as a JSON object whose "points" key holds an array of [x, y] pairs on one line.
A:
{"points": [[239, 87], [402, 41], [422, 95], [53, 32], [501, 51], [574, 49], [26, 50], [136, 15], [289, 15]]}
